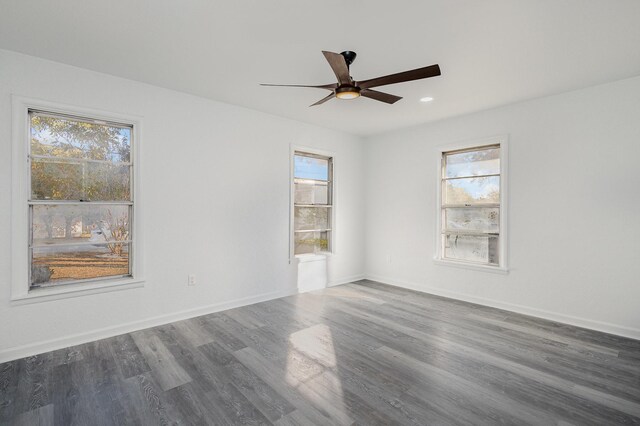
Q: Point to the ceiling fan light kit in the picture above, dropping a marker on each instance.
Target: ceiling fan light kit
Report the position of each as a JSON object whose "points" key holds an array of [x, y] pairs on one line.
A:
{"points": [[347, 92], [348, 88]]}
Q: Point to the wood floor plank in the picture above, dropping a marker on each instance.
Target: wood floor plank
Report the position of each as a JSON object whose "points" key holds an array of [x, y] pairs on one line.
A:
{"points": [[33, 388], [9, 377], [149, 401], [259, 393], [42, 416], [238, 408], [202, 371], [364, 353], [73, 400], [328, 386], [285, 387], [66, 356], [128, 357], [221, 335], [185, 399], [244, 317], [295, 418], [104, 384], [164, 367], [194, 331]]}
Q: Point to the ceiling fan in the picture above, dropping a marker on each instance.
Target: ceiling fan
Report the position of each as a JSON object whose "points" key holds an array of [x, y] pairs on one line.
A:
{"points": [[348, 88]]}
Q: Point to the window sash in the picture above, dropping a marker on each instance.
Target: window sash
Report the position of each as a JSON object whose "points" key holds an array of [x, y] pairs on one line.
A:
{"points": [[315, 235], [446, 154], [315, 206], [471, 149], [63, 282], [130, 242], [31, 246], [79, 118], [474, 262], [444, 178], [311, 181], [470, 206], [54, 159], [78, 202], [444, 231], [329, 205], [80, 243], [82, 281], [78, 161]]}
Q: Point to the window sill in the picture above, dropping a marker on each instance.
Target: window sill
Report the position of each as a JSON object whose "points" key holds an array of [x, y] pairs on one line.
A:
{"points": [[312, 257], [462, 265], [75, 290]]}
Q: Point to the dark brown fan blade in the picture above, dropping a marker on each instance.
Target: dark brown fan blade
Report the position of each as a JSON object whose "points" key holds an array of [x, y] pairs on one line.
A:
{"points": [[380, 96], [324, 86], [417, 74], [339, 66], [323, 100]]}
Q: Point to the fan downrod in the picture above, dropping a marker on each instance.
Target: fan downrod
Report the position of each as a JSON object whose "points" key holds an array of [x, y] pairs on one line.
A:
{"points": [[349, 57]]}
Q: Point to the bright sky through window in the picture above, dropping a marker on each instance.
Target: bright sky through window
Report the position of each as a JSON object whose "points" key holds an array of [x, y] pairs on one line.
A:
{"points": [[310, 168]]}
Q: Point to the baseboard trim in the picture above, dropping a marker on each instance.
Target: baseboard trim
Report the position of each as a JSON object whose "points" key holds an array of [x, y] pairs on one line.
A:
{"points": [[347, 280], [605, 327], [18, 352]]}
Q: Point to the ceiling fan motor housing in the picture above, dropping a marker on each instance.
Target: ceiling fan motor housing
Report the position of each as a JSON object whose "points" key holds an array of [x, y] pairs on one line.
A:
{"points": [[349, 56]]}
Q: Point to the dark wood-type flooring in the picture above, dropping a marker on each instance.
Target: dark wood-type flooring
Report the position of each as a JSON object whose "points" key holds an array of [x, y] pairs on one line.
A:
{"points": [[362, 353]]}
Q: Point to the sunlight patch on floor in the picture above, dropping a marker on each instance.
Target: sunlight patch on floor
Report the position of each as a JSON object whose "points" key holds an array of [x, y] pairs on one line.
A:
{"points": [[322, 388]]}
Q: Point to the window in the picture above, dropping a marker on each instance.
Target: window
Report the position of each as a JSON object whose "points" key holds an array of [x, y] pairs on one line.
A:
{"points": [[80, 203], [312, 204], [471, 218]]}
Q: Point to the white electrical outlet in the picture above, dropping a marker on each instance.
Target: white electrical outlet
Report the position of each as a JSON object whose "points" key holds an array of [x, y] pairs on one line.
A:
{"points": [[191, 280]]}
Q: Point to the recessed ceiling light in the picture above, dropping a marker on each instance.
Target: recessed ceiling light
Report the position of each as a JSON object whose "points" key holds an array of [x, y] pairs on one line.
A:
{"points": [[426, 99]]}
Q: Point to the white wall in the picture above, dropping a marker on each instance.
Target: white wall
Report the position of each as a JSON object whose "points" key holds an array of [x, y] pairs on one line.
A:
{"points": [[574, 186], [215, 203]]}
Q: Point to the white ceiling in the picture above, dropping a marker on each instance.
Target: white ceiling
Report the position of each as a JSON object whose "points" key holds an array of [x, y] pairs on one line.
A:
{"points": [[491, 52]]}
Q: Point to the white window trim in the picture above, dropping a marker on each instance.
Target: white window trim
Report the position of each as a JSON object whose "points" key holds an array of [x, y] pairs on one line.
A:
{"points": [[334, 240], [503, 141], [20, 291]]}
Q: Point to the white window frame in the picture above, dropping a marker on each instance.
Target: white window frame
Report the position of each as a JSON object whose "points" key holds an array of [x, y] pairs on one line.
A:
{"points": [[20, 288], [503, 241], [333, 242]]}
